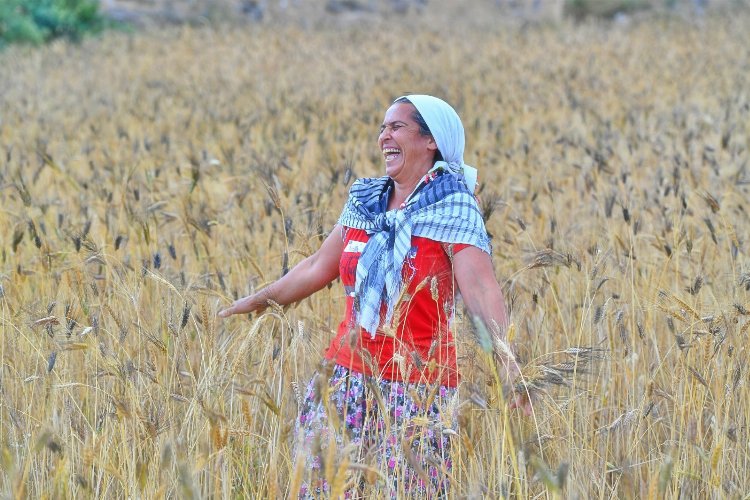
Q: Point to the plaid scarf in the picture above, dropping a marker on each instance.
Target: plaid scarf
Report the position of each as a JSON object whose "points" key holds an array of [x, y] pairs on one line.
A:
{"points": [[441, 209]]}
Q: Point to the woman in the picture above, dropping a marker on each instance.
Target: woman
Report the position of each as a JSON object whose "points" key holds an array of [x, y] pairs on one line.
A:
{"points": [[402, 244]]}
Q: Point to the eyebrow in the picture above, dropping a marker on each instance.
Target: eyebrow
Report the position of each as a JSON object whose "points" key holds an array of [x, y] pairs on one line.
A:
{"points": [[389, 124]]}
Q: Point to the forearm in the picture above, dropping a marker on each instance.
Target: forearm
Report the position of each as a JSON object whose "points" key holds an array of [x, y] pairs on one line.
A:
{"points": [[297, 284], [482, 294], [487, 305], [303, 280]]}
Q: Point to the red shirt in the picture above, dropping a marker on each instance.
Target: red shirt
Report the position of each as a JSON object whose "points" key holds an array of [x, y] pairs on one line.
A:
{"points": [[419, 347]]}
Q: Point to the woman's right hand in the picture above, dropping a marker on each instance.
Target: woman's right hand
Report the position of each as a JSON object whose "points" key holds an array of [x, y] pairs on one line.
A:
{"points": [[240, 306]]}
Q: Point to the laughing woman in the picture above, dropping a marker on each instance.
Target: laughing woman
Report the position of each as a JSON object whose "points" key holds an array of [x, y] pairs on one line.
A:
{"points": [[404, 244]]}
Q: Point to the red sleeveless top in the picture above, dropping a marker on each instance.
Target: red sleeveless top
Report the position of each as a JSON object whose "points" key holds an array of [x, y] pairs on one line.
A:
{"points": [[419, 345]]}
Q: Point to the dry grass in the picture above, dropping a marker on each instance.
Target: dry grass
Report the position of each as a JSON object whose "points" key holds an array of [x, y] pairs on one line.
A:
{"points": [[148, 178]]}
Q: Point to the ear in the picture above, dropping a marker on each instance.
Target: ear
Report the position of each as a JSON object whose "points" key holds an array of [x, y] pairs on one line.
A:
{"points": [[431, 144]]}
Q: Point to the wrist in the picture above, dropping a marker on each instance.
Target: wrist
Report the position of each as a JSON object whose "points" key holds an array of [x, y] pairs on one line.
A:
{"points": [[260, 300]]}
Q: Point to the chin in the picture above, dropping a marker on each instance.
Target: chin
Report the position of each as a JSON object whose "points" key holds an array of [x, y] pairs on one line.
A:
{"points": [[390, 171]]}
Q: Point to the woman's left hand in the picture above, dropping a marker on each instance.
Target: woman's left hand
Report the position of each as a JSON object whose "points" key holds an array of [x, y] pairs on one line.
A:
{"points": [[510, 373], [522, 401]]}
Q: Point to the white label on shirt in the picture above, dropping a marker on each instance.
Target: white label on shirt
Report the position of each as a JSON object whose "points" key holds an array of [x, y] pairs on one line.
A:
{"points": [[355, 246]]}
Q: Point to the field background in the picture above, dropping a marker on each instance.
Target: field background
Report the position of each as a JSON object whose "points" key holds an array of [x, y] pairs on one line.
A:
{"points": [[147, 178]]}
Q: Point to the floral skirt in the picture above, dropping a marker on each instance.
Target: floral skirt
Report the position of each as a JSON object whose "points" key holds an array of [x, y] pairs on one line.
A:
{"points": [[355, 430]]}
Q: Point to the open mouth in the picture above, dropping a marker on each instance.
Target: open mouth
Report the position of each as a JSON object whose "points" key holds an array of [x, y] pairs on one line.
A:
{"points": [[391, 153]]}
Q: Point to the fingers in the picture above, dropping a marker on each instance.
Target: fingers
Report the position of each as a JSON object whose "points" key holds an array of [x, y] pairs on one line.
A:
{"points": [[234, 308], [240, 306], [525, 404], [522, 402]]}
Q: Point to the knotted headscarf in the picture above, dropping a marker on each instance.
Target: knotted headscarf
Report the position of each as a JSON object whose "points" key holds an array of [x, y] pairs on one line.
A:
{"points": [[448, 132]]}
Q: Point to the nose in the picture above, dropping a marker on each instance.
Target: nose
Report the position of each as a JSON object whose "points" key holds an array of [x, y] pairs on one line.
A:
{"points": [[385, 133]]}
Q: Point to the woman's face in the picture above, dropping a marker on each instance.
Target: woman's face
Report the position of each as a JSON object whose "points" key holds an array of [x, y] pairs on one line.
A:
{"points": [[408, 154]]}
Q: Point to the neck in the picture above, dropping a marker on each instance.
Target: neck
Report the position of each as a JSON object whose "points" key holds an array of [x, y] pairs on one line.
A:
{"points": [[402, 190]]}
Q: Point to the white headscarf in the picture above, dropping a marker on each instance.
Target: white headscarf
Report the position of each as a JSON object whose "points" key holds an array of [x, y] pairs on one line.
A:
{"points": [[448, 131]]}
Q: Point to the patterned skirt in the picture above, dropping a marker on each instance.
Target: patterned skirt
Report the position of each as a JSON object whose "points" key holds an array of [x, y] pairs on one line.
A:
{"points": [[355, 430]]}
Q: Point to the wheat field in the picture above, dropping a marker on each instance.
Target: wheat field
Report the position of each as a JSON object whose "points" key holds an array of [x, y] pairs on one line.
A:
{"points": [[149, 178]]}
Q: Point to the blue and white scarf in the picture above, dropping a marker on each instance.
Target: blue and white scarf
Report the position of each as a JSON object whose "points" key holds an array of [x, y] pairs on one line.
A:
{"points": [[442, 210]]}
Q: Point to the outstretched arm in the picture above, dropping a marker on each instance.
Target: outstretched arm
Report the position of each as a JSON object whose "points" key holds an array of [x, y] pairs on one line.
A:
{"points": [[306, 278], [484, 300]]}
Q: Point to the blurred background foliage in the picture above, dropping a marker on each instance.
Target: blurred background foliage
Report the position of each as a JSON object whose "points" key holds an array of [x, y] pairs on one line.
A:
{"points": [[38, 21]]}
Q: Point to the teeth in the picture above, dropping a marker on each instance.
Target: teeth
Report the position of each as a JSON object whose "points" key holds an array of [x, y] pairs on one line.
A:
{"points": [[387, 151]]}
